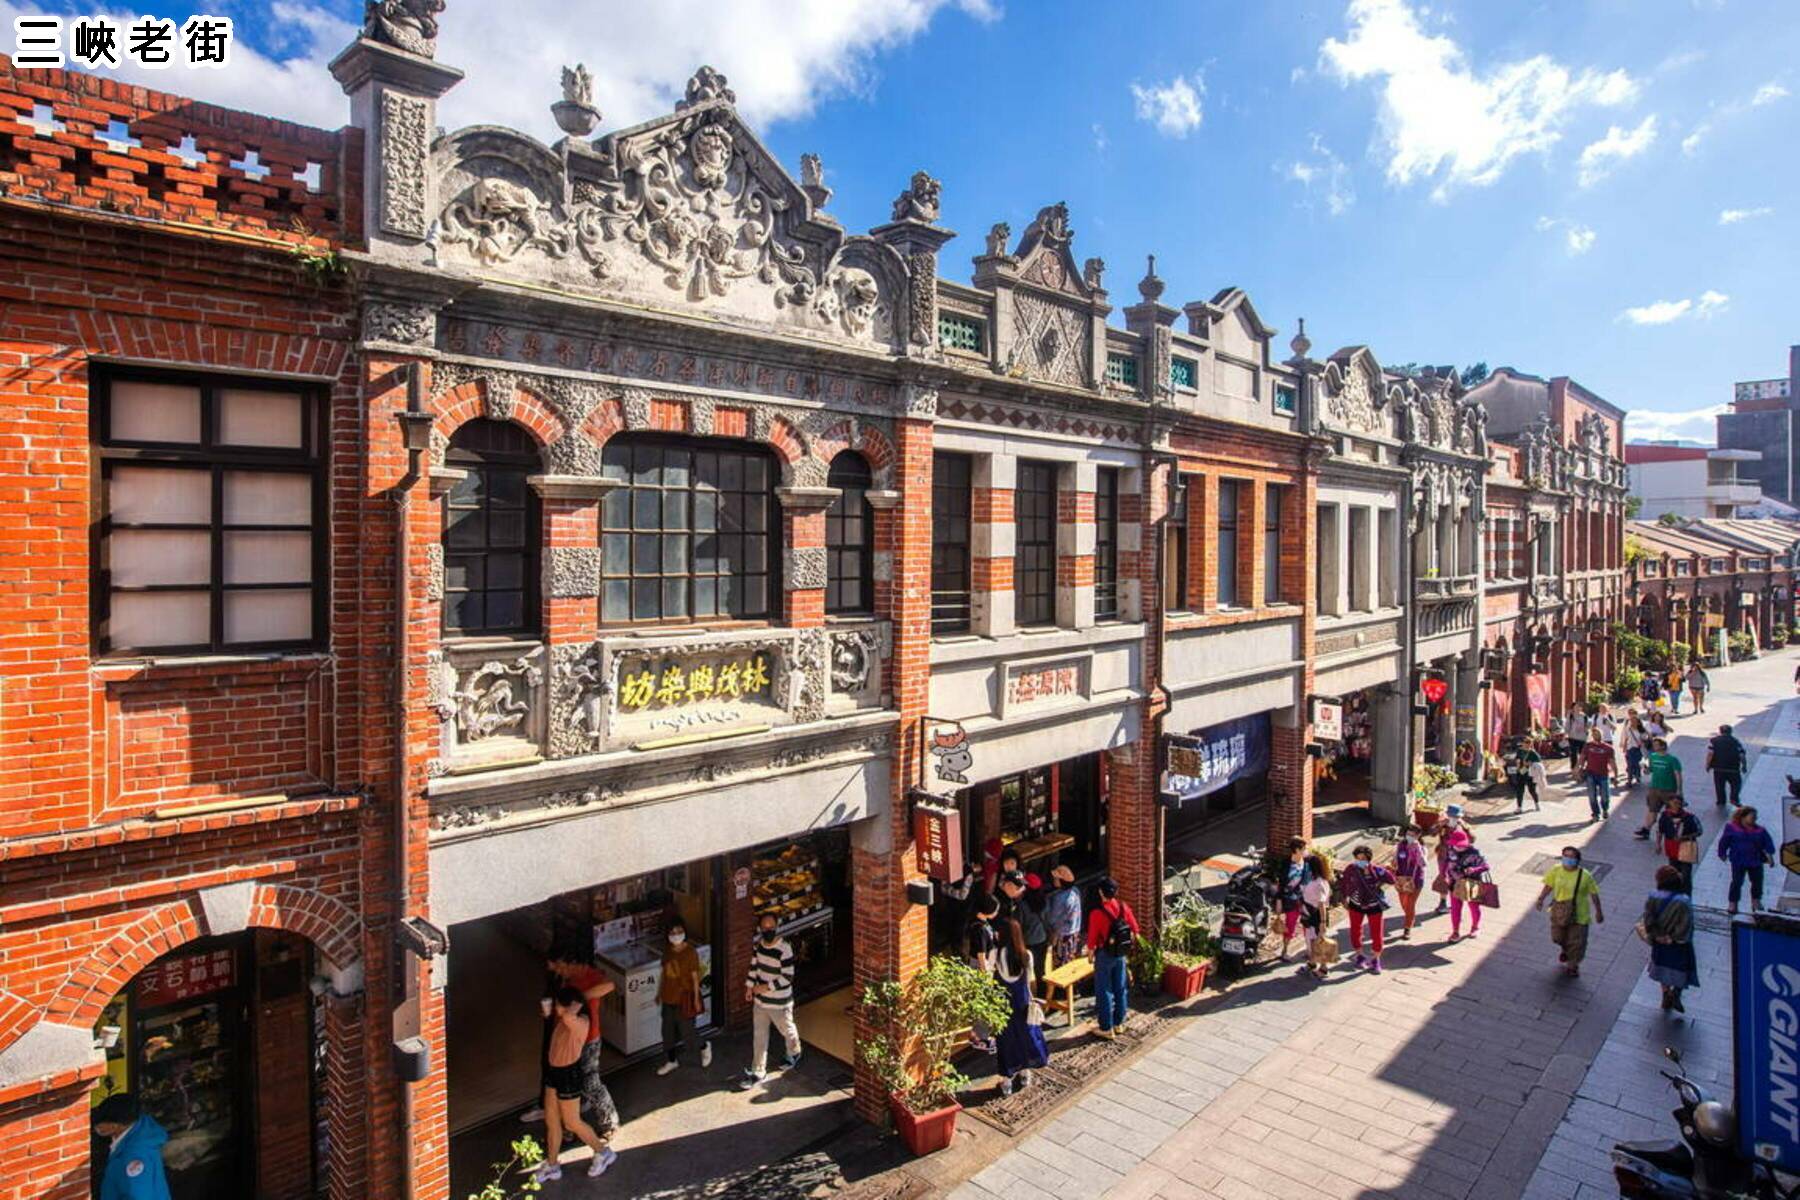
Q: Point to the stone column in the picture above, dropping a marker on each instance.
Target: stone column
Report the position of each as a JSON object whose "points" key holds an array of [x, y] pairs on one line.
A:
{"points": [[1390, 715], [1075, 537]]}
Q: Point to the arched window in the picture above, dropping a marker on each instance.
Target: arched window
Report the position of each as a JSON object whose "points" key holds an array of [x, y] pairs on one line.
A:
{"points": [[691, 536], [849, 538], [491, 533]]}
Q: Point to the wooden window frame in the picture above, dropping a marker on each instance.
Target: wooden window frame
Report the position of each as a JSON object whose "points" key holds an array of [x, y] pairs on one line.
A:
{"points": [[531, 616], [1036, 602], [1106, 544], [952, 616], [835, 519]]}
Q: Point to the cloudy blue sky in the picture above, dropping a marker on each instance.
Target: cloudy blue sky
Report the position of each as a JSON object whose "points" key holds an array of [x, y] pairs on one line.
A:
{"points": [[1600, 188]]}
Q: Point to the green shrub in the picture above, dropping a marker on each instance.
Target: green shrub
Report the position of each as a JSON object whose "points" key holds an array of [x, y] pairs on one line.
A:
{"points": [[1628, 683], [917, 1027], [1742, 645]]}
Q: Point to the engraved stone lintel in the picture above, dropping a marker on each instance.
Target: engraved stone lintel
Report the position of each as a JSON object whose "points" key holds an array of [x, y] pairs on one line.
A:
{"points": [[445, 479], [882, 500], [800, 500], [573, 487]]}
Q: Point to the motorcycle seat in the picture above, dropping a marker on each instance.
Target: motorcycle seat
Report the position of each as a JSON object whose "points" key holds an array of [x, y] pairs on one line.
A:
{"points": [[1673, 1156]]}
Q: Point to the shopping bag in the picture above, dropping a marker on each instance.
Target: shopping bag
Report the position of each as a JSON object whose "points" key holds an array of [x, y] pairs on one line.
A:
{"points": [[1488, 895]]}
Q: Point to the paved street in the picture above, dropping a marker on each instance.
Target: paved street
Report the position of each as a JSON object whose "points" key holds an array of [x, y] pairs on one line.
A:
{"points": [[1473, 1069]]}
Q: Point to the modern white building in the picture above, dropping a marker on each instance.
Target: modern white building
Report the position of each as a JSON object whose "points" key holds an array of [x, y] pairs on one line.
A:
{"points": [[1689, 481]]}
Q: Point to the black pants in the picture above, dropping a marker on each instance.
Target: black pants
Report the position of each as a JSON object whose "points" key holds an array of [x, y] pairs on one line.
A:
{"points": [[1575, 748], [1040, 955], [1728, 786], [1687, 874], [1738, 875], [1520, 785], [677, 1032]]}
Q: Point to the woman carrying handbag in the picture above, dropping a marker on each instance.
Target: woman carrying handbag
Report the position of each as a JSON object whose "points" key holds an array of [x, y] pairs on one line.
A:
{"points": [[1471, 886], [1680, 832], [1574, 898]]}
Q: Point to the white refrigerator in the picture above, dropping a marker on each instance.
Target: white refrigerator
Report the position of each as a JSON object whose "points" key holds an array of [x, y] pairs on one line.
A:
{"points": [[631, 1017]]}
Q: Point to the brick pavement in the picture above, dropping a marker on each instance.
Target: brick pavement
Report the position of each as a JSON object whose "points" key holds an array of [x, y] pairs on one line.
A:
{"points": [[1466, 1070]]}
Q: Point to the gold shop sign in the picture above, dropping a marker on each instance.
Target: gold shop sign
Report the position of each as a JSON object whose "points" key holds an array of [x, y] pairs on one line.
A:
{"points": [[663, 684]]}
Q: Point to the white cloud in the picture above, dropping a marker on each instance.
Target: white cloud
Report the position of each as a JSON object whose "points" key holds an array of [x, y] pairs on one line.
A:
{"points": [[1328, 172], [1442, 118], [1100, 138], [1578, 239], [781, 56], [1697, 424], [1765, 95], [1663, 312], [1691, 142], [1736, 216], [1768, 93], [1173, 107], [1599, 158]]}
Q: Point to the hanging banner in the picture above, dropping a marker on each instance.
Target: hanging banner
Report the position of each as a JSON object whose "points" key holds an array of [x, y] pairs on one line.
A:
{"points": [[1765, 979], [1205, 761], [1499, 718], [949, 756], [937, 836], [1537, 698]]}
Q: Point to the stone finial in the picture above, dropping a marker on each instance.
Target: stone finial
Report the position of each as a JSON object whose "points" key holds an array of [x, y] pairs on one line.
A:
{"points": [[920, 201], [1092, 271], [997, 237], [409, 25], [575, 113], [1150, 287], [1051, 226], [706, 87], [812, 180], [1301, 343]]}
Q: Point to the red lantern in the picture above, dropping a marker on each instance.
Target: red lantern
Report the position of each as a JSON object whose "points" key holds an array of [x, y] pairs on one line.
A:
{"points": [[1433, 690]]}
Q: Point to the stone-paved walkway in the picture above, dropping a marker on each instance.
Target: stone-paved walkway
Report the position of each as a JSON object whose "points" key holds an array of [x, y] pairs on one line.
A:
{"points": [[1454, 1074]]}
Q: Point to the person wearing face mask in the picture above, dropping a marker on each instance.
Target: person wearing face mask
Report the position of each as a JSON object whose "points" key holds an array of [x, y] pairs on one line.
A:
{"points": [[1409, 877], [770, 991], [1574, 898], [679, 995], [1443, 881], [1363, 898]]}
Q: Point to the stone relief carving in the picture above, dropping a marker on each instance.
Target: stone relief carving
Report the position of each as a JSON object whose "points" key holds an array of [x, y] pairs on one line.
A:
{"points": [[997, 238], [921, 269], [806, 567], [855, 655], [706, 87], [807, 675], [410, 25], [812, 180], [920, 201], [440, 683], [575, 113], [1353, 403], [434, 572], [572, 572], [499, 219], [406, 324], [579, 694], [921, 401], [1052, 339], [494, 698], [405, 140], [1093, 271]]}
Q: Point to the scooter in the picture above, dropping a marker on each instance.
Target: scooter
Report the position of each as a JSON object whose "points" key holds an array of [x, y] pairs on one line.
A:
{"points": [[1246, 919], [1705, 1165]]}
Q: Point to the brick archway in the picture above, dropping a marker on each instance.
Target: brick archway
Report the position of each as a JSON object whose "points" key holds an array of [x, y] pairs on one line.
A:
{"points": [[469, 401]]}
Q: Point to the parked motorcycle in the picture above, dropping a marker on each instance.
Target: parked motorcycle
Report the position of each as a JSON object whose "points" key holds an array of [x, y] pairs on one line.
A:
{"points": [[1248, 894], [1704, 1165]]}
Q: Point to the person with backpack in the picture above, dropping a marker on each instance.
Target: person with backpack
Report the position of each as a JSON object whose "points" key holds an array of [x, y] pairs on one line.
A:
{"points": [[1315, 916], [1668, 926], [1725, 759], [1112, 932], [1520, 758]]}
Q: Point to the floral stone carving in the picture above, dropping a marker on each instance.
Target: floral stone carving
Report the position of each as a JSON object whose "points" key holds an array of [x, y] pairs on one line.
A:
{"points": [[579, 694], [494, 698]]}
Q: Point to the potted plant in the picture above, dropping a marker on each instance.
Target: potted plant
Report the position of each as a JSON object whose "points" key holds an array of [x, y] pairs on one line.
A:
{"points": [[916, 1027], [1187, 945], [1429, 780], [1146, 963]]}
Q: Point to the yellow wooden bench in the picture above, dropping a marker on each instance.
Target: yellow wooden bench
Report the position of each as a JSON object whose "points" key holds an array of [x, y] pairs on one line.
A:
{"points": [[1066, 979]]}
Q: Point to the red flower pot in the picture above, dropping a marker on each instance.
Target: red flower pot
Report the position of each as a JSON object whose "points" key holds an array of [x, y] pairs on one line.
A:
{"points": [[1184, 983], [924, 1133], [1426, 818]]}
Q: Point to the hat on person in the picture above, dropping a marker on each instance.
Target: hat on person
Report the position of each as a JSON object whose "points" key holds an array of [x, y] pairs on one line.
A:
{"points": [[1453, 810], [1032, 881], [1459, 839], [1062, 873]]}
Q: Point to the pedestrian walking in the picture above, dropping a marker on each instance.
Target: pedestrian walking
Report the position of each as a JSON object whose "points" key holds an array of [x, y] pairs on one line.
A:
{"points": [[134, 1162], [1679, 831], [770, 991], [679, 994], [1062, 915], [569, 1031], [1020, 1048], [1665, 784], [1575, 729], [1470, 883], [1748, 848], [1315, 916], [1656, 725], [1597, 762], [574, 965], [1651, 690], [1672, 684], [1632, 740], [1112, 932], [1574, 897], [1362, 883], [1668, 926], [1409, 877], [1725, 759], [1797, 679], [1699, 683], [1288, 888], [1520, 758], [1030, 915], [1453, 824]]}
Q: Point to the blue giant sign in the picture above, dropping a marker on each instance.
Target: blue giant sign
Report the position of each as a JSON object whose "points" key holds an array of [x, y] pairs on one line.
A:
{"points": [[1765, 979], [1208, 759]]}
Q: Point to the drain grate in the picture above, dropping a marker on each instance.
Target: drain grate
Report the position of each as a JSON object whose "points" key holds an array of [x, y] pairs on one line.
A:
{"points": [[1537, 864]]}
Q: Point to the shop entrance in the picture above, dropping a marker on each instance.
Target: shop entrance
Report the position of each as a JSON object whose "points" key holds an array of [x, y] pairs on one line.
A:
{"points": [[215, 1042], [1345, 773]]}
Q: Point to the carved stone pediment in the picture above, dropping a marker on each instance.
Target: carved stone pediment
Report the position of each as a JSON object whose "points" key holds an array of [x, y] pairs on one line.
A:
{"points": [[687, 211], [1357, 398], [1045, 259]]}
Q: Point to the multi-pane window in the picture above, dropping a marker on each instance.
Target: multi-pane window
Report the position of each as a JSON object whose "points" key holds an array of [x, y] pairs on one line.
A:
{"points": [[1106, 545], [959, 332], [1034, 553], [950, 580], [491, 532], [849, 537], [1272, 516], [1227, 557], [1175, 538], [1122, 369], [210, 522], [690, 537]]}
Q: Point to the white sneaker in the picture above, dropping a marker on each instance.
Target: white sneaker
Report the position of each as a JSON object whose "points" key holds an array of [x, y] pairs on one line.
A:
{"points": [[1006, 1087], [534, 1113], [606, 1158], [666, 1068], [706, 1054], [547, 1171]]}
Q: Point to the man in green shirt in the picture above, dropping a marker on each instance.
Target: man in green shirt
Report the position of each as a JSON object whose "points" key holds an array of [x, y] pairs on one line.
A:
{"points": [[1665, 783]]}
